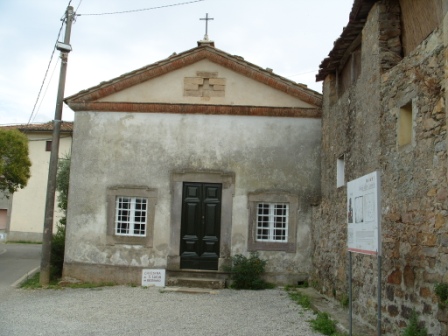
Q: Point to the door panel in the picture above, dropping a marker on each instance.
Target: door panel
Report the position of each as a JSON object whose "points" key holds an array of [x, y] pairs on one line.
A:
{"points": [[3, 218], [201, 225]]}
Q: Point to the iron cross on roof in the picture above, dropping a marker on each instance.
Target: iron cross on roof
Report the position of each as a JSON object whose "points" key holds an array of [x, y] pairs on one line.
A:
{"points": [[206, 25]]}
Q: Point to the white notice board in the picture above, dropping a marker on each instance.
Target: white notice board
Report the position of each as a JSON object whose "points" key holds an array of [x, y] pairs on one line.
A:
{"points": [[364, 214], [153, 277]]}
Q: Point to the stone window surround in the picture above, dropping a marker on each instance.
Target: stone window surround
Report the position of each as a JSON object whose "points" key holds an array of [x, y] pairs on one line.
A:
{"points": [[131, 191], [273, 197], [227, 179]]}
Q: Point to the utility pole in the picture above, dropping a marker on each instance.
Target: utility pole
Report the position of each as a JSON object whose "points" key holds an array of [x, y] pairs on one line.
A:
{"points": [[64, 48]]}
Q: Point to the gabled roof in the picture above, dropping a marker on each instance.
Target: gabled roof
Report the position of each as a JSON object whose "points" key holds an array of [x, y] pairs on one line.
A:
{"points": [[66, 127], [87, 100], [357, 20]]}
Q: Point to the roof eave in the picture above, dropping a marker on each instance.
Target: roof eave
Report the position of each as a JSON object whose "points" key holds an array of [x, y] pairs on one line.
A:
{"points": [[174, 62], [357, 19]]}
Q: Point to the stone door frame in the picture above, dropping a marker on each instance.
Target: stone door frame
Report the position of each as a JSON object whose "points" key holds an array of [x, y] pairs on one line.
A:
{"points": [[228, 190]]}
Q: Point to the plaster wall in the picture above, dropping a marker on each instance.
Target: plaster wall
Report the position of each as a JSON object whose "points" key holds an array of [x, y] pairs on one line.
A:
{"points": [[263, 153], [28, 204], [239, 90]]}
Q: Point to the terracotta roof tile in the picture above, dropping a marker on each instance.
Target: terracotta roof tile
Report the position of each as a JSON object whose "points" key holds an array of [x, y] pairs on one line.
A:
{"points": [[66, 127], [174, 62]]}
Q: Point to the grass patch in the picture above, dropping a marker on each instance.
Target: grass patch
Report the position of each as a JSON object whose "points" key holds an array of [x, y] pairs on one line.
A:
{"points": [[324, 324], [24, 242], [34, 283], [300, 299]]}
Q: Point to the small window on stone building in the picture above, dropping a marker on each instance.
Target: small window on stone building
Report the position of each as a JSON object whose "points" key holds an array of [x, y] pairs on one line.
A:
{"points": [[340, 172], [48, 146], [350, 72], [405, 125]]}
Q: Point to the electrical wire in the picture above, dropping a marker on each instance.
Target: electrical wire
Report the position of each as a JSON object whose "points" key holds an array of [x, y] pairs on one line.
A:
{"points": [[142, 10], [302, 73], [80, 2], [46, 73], [46, 89], [34, 111]]}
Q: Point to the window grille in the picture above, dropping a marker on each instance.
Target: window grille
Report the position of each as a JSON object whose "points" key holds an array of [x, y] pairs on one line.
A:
{"points": [[272, 222], [130, 216]]}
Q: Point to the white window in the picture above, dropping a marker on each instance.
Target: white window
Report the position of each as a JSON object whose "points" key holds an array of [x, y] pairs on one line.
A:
{"points": [[340, 172], [131, 216], [272, 222]]}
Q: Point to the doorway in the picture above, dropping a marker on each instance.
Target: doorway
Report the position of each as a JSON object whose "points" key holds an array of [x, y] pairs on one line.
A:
{"points": [[200, 225]]}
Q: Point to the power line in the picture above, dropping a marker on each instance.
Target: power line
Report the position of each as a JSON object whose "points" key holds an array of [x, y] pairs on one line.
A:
{"points": [[45, 76], [46, 73], [142, 10], [302, 73], [80, 2], [46, 90]]}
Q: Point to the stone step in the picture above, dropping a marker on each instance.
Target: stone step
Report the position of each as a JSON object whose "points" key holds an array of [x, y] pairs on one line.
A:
{"points": [[194, 282], [189, 290], [197, 274]]}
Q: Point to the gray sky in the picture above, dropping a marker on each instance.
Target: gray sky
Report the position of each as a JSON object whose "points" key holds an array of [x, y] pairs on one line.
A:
{"points": [[290, 36]]}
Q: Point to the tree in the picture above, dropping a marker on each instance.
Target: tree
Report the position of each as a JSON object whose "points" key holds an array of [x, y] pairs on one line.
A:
{"points": [[58, 241], [62, 181], [14, 160]]}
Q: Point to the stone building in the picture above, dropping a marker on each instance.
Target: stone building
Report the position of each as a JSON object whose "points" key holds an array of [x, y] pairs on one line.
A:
{"points": [[22, 214], [384, 109], [184, 163]]}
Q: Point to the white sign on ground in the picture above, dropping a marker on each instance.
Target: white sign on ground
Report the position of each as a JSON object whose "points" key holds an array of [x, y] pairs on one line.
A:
{"points": [[153, 277], [363, 214]]}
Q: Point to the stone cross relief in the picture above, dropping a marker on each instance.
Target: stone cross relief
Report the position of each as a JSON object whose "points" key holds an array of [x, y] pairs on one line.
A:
{"points": [[205, 85]]}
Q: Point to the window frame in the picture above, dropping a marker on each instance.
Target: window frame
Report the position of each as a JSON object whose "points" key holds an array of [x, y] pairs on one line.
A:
{"points": [[273, 197], [406, 125], [48, 144], [127, 216], [340, 171], [113, 193]]}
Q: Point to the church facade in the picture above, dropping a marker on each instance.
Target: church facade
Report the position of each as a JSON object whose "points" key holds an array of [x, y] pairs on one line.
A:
{"points": [[184, 163]]}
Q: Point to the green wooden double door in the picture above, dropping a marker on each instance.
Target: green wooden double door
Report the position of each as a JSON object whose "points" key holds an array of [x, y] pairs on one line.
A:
{"points": [[201, 226]]}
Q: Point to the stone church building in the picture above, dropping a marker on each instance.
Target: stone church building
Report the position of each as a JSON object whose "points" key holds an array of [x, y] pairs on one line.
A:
{"points": [[184, 163]]}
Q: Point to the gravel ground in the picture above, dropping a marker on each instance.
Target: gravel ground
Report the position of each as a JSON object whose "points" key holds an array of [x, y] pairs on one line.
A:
{"points": [[146, 311]]}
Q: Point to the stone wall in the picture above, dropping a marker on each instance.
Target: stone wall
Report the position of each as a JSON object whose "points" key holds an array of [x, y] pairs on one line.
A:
{"points": [[360, 127], [415, 190]]}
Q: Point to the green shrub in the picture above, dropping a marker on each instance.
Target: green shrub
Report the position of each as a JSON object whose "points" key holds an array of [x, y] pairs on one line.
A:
{"points": [[57, 252], [58, 240], [441, 290], [345, 300], [324, 324], [246, 272], [413, 328]]}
